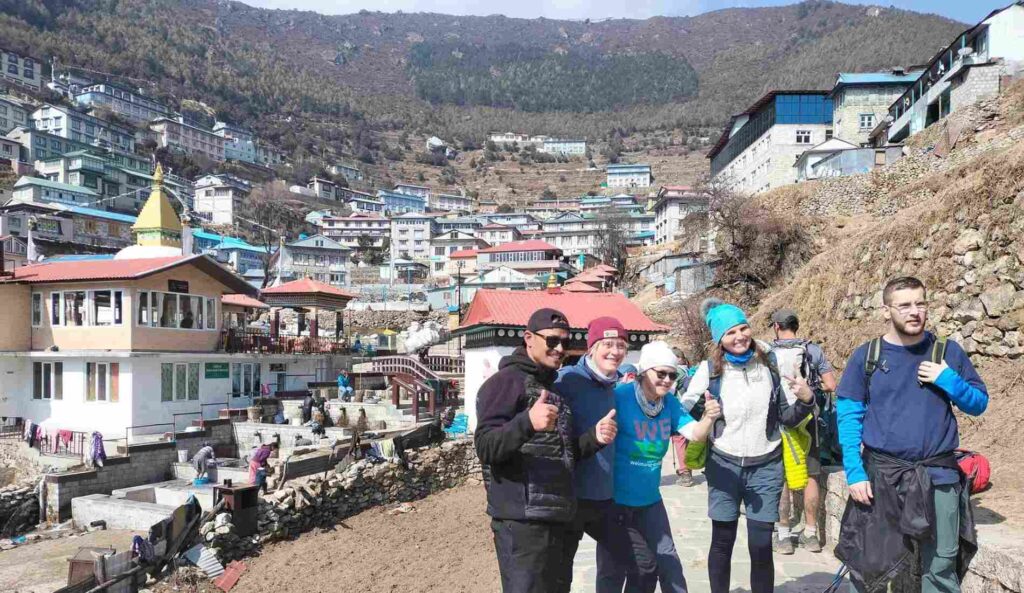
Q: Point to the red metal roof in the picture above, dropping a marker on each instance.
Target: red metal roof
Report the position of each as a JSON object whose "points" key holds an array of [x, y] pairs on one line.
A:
{"points": [[463, 253], [105, 269], [579, 287], [123, 269], [307, 286], [496, 226], [528, 245], [514, 307], [241, 300]]}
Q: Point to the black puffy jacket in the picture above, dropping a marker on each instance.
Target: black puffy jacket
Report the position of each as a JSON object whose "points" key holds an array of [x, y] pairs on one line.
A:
{"points": [[528, 474]]}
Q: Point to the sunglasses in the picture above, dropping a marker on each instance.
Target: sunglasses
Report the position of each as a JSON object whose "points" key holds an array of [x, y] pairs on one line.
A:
{"points": [[662, 375], [552, 342]]}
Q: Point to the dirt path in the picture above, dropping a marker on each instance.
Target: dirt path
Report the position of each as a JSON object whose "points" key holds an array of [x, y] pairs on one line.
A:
{"points": [[444, 545]]}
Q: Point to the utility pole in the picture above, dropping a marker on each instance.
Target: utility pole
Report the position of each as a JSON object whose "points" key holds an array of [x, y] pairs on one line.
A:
{"points": [[458, 283]]}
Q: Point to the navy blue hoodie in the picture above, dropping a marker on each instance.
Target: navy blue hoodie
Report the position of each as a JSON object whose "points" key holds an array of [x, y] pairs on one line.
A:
{"points": [[590, 398]]}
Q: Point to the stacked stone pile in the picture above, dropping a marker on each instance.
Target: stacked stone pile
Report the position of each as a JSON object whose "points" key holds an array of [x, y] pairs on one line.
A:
{"points": [[324, 500], [19, 508]]}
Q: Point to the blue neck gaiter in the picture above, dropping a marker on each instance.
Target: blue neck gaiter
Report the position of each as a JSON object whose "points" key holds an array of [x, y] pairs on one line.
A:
{"points": [[740, 359]]}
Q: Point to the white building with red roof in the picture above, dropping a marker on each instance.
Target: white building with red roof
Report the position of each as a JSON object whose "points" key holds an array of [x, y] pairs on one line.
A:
{"points": [[496, 233], [496, 321], [137, 344], [531, 257]]}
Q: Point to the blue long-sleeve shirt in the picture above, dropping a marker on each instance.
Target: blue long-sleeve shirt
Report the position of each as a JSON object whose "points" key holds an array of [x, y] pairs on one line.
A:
{"points": [[901, 416]]}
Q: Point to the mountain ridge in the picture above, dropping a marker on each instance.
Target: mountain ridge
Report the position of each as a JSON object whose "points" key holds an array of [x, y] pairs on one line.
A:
{"points": [[284, 72]]}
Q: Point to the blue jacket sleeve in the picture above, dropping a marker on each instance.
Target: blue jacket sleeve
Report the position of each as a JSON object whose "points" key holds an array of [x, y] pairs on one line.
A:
{"points": [[969, 398], [851, 431]]}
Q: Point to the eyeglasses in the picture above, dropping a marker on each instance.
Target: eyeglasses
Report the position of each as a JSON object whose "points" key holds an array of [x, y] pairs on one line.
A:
{"points": [[907, 308], [662, 375], [552, 342]]}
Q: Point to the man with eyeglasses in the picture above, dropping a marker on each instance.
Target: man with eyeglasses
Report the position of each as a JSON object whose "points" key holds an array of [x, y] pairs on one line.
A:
{"points": [[525, 443], [589, 388], [896, 399]]}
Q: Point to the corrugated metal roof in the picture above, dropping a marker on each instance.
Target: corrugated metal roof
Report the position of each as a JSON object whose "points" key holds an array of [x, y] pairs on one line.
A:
{"points": [[307, 285], [513, 308], [529, 245]]}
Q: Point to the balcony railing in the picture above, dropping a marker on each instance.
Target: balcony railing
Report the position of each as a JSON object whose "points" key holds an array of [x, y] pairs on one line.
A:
{"points": [[253, 341]]}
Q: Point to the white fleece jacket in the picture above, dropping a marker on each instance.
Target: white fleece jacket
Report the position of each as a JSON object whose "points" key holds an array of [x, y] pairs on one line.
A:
{"points": [[746, 395]]}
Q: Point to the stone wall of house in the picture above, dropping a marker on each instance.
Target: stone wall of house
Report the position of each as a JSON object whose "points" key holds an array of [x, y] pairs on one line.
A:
{"points": [[137, 465], [976, 84], [319, 500], [998, 566]]}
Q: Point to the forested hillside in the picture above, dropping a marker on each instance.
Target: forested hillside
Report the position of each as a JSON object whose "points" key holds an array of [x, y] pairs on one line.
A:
{"points": [[312, 80]]}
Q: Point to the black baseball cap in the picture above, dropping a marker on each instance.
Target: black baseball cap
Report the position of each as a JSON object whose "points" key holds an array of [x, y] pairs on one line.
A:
{"points": [[784, 316], [547, 319]]}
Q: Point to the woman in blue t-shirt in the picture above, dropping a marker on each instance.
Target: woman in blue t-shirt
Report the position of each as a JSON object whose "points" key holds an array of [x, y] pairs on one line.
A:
{"points": [[647, 420]]}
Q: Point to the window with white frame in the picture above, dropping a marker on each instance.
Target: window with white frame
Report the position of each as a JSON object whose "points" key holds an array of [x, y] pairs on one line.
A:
{"points": [[75, 308], [867, 121], [102, 381], [179, 381], [803, 136], [245, 379], [47, 380], [175, 311], [105, 307], [37, 309]]}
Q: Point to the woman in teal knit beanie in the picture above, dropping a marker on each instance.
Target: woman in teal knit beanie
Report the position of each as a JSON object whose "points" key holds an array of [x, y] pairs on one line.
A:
{"points": [[744, 462]]}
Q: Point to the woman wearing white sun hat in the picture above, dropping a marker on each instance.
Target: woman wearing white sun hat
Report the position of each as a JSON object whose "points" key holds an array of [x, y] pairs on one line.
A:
{"points": [[647, 420]]}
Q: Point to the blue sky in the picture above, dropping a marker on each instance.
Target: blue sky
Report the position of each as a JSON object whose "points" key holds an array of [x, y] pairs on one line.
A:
{"points": [[968, 11]]}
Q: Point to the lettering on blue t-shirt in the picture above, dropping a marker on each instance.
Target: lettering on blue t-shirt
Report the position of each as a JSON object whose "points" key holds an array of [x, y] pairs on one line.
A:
{"points": [[641, 445], [905, 418]]}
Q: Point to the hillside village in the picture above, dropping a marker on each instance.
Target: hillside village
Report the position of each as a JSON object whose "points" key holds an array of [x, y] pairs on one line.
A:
{"points": [[175, 280]]}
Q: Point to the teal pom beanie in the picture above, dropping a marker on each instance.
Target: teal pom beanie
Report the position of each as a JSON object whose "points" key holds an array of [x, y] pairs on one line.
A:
{"points": [[721, 317]]}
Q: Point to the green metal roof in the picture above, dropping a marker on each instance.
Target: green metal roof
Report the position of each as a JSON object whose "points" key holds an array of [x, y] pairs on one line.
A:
{"points": [[28, 181]]}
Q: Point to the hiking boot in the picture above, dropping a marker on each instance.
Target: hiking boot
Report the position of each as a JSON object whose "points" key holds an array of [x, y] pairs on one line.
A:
{"points": [[811, 544], [783, 546], [685, 479]]}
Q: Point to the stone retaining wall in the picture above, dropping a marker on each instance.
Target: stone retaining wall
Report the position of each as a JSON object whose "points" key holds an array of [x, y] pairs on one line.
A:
{"points": [[315, 501], [997, 568], [139, 464], [13, 499]]}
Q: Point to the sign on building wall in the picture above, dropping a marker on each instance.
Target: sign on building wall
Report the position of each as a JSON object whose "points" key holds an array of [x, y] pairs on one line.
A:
{"points": [[178, 286], [216, 370]]}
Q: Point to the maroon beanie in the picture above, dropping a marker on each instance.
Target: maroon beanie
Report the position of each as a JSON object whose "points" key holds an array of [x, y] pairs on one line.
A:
{"points": [[605, 327]]}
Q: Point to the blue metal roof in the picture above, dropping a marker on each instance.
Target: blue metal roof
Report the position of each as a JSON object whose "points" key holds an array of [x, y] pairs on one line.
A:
{"points": [[102, 214], [846, 78], [80, 257], [223, 242]]}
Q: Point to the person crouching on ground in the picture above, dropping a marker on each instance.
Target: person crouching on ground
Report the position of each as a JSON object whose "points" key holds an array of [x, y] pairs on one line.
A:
{"points": [[589, 389], [744, 461], [896, 400], [647, 420], [524, 441]]}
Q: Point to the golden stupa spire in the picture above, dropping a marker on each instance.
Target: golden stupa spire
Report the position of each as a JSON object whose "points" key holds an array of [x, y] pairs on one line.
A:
{"points": [[158, 224], [552, 280]]}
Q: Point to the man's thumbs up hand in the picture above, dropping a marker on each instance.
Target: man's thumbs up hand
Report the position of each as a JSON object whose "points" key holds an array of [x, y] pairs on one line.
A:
{"points": [[543, 415], [607, 428]]}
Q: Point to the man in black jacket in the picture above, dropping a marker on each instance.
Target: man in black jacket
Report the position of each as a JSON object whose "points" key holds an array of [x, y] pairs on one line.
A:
{"points": [[524, 441]]}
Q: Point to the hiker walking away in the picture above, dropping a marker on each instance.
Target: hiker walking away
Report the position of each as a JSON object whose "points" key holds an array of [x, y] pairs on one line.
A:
{"points": [[649, 414], [588, 387], [744, 458], [524, 441], [896, 399], [798, 353], [684, 475], [203, 460]]}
